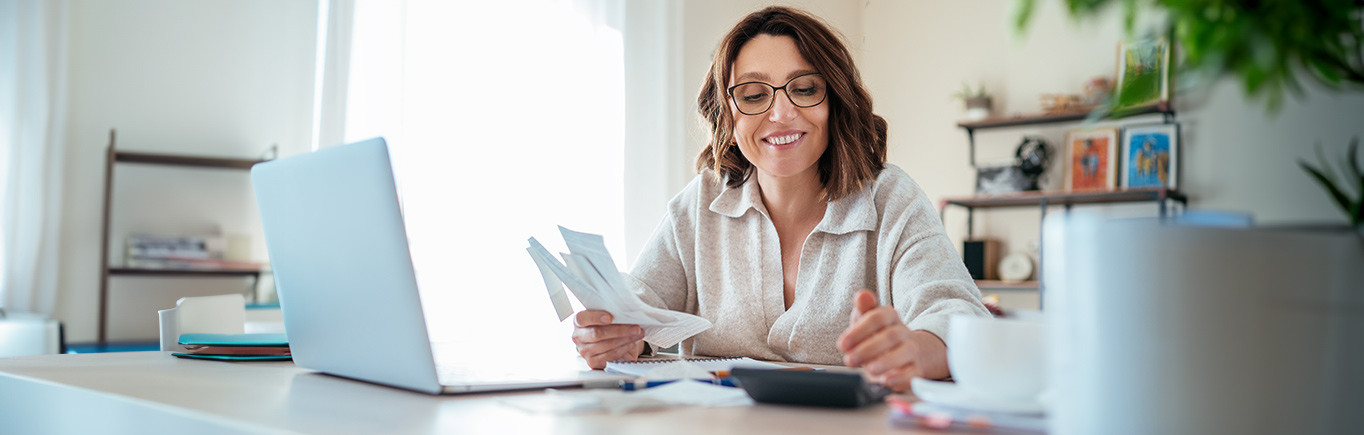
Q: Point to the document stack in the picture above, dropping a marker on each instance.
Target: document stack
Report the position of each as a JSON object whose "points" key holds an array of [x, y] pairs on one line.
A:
{"points": [[235, 347], [590, 273]]}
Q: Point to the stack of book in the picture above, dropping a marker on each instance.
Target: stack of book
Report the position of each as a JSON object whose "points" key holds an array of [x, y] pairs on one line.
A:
{"points": [[235, 347], [182, 252]]}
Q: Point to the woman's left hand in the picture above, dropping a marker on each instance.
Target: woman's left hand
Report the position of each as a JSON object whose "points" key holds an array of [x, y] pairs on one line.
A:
{"points": [[887, 349]]}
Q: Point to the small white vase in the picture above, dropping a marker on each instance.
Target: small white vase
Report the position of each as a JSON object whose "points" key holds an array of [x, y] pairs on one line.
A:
{"points": [[977, 108]]}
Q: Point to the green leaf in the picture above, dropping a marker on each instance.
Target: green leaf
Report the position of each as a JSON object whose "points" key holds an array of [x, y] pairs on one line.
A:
{"points": [[1325, 164], [1254, 78], [1336, 194], [1352, 156], [1325, 63], [1274, 102], [1347, 172], [1287, 78], [1025, 8], [1357, 217], [1129, 11]]}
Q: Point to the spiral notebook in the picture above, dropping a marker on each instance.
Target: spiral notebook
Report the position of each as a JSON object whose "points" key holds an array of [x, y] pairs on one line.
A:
{"points": [[642, 368]]}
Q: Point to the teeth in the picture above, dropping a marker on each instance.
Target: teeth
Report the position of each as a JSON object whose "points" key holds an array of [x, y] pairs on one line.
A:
{"points": [[783, 140]]}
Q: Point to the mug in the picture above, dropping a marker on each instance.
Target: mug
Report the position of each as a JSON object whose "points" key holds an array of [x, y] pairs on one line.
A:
{"points": [[997, 358]]}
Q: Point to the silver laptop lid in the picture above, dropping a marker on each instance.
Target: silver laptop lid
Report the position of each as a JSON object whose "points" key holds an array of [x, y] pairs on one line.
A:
{"points": [[338, 248]]}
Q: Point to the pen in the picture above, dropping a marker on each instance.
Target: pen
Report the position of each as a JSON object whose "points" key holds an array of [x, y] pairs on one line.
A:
{"points": [[640, 385]]}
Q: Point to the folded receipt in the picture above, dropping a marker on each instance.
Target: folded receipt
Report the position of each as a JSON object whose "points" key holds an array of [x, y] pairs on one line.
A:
{"points": [[590, 273]]}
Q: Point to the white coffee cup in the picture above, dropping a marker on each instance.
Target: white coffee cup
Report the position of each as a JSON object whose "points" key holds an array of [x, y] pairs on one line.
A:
{"points": [[998, 358]]}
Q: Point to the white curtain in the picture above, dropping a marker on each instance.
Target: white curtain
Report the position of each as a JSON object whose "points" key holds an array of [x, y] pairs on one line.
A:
{"points": [[505, 119], [33, 50], [334, 26], [659, 106]]}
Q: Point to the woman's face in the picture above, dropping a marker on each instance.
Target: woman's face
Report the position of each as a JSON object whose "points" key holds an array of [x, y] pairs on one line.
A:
{"points": [[786, 141]]}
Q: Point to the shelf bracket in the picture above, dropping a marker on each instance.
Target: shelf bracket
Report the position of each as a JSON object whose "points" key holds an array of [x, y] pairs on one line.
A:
{"points": [[970, 223], [971, 139], [1041, 235]]}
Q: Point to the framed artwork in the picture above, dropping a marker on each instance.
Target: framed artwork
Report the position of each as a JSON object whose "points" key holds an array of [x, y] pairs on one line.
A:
{"points": [[1143, 74], [1091, 157], [1150, 155]]}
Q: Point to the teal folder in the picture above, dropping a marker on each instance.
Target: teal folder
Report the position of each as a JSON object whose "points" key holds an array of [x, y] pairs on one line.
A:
{"points": [[235, 357], [234, 340]]}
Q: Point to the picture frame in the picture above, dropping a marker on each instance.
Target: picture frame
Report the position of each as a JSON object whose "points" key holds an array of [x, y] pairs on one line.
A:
{"points": [[1143, 77], [1091, 159], [1150, 156]]}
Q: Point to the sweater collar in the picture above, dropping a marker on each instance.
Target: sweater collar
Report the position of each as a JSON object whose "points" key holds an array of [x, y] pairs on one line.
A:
{"points": [[855, 212], [735, 201]]}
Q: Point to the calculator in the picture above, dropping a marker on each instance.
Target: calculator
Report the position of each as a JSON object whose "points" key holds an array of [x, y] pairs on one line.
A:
{"points": [[809, 387]]}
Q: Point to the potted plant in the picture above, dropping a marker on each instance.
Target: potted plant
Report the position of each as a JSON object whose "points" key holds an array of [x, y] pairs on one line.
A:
{"points": [[976, 100]]}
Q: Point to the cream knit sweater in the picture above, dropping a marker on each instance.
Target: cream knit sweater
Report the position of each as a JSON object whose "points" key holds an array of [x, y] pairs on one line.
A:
{"points": [[716, 255]]}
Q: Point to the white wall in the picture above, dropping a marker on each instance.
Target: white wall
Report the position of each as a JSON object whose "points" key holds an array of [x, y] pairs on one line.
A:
{"points": [[197, 77]]}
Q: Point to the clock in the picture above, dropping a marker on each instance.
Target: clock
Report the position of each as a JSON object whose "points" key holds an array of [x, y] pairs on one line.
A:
{"points": [[1016, 267]]}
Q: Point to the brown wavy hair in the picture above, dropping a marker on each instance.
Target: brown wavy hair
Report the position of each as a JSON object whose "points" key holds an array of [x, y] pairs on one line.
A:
{"points": [[857, 137]]}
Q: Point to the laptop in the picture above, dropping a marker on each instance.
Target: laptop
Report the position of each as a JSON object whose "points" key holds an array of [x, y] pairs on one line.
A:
{"points": [[347, 288]]}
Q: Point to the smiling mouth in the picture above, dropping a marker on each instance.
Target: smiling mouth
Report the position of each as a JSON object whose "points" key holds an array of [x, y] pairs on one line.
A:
{"points": [[783, 139]]}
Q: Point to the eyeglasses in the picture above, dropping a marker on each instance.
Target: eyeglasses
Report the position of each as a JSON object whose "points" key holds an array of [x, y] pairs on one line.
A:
{"points": [[755, 98]]}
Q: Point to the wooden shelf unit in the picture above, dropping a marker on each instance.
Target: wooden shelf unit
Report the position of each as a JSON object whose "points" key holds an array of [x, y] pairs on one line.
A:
{"points": [[1163, 109], [1043, 199], [134, 271], [114, 156], [178, 160]]}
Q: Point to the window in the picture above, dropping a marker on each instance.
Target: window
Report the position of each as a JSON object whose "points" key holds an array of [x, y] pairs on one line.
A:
{"points": [[504, 120]]}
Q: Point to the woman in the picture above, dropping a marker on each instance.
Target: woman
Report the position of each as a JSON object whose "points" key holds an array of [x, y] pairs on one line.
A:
{"points": [[793, 212]]}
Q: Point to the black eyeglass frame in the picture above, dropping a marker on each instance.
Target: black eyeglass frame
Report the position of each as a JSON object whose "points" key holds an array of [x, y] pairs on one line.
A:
{"points": [[782, 88]]}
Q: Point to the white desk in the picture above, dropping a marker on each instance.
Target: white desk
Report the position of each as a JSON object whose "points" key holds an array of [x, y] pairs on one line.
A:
{"points": [[151, 392]]}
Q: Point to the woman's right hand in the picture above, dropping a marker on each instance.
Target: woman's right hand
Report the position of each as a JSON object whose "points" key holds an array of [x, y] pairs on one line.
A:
{"points": [[600, 342]]}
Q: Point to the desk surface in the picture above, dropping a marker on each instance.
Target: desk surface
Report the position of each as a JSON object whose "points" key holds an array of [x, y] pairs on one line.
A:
{"points": [[155, 392]]}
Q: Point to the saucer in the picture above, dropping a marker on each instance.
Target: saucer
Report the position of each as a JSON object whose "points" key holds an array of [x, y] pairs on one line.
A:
{"points": [[951, 394]]}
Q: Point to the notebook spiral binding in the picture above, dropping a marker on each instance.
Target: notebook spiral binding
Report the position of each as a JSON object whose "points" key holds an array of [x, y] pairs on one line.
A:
{"points": [[688, 359]]}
